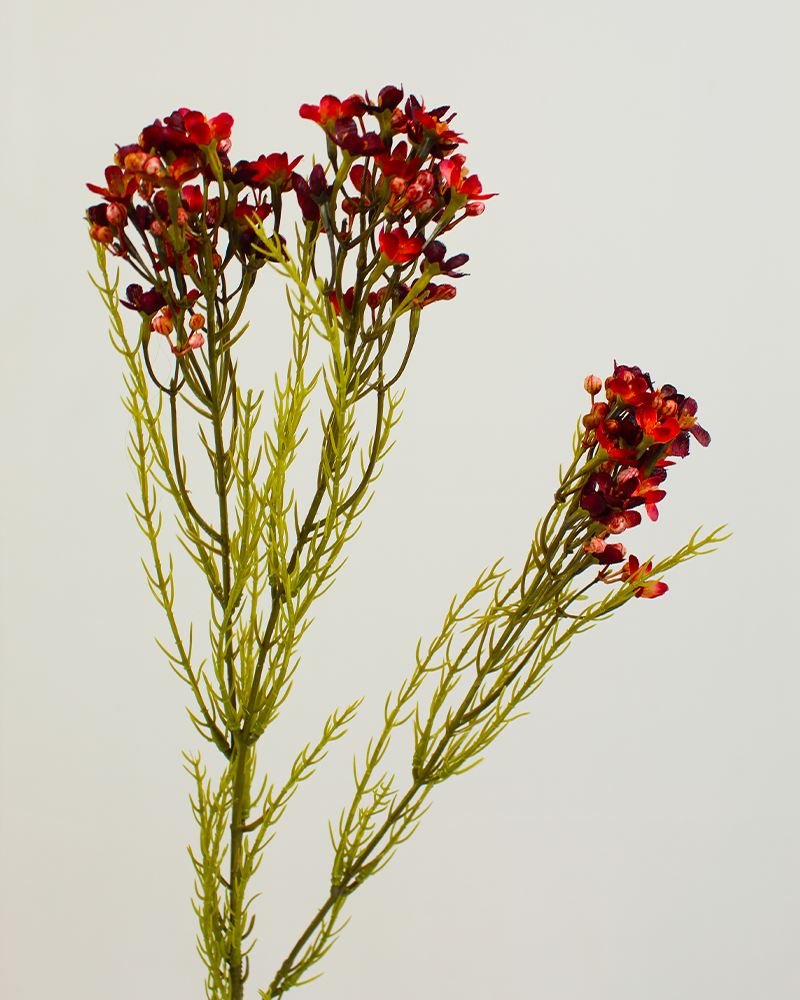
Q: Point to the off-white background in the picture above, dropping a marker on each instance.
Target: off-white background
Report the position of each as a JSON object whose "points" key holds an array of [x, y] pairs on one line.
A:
{"points": [[633, 838]]}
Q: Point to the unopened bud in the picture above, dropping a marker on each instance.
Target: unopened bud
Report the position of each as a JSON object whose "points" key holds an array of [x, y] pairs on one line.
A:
{"points": [[116, 214], [474, 208], [102, 234], [153, 167], [594, 546], [425, 205], [162, 323], [183, 216], [216, 260], [135, 161], [156, 228], [424, 179], [670, 408], [196, 321], [592, 384], [595, 416], [397, 185], [196, 340]]}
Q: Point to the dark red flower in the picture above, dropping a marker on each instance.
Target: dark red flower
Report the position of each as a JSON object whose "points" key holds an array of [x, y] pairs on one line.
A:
{"points": [[274, 170], [144, 302]]}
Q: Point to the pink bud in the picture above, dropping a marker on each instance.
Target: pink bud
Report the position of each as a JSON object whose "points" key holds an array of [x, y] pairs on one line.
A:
{"points": [[183, 216], [397, 185], [592, 384], [474, 208], [196, 340], [153, 167], [116, 214], [425, 180], [156, 228], [162, 323], [425, 205]]}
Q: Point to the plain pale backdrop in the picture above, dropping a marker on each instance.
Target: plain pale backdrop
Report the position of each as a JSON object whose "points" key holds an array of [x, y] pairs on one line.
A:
{"points": [[635, 836]]}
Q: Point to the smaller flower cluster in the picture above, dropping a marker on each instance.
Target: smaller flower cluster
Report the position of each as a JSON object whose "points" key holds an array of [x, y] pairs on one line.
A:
{"points": [[412, 177], [179, 223], [637, 432]]}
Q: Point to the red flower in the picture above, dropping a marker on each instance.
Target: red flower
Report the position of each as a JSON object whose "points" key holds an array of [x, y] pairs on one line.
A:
{"points": [[121, 185], [632, 572], [466, 186], [330, 108], [398, 247], [397, 165], [274, 170], [193, 197]]}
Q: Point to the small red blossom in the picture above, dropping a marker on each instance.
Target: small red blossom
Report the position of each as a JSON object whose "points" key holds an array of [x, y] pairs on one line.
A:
{"points": [[330, 108], [121, 185], [466, 187], [398, 247], [632, 572]]}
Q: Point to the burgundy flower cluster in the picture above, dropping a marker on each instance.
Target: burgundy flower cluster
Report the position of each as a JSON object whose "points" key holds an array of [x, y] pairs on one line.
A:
{"points": [[148, 190], [637, 431], [416, 178], [177, 190]]}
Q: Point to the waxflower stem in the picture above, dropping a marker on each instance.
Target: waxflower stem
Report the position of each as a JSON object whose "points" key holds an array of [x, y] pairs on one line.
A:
{"points": [[366, 262]]}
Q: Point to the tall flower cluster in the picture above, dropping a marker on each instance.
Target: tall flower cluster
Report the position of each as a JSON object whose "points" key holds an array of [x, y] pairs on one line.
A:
{"points": [[408, 187], [633, 438], [179, 210]]}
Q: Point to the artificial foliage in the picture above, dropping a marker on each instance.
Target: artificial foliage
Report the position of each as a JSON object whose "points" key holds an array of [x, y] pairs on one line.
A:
{"points": [[364, 255]]}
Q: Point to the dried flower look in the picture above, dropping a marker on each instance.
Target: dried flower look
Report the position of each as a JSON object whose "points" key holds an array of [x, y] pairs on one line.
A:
{"points": [[365, 260]]}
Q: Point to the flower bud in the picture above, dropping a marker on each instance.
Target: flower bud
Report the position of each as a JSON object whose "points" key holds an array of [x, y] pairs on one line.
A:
{"points": [[183, 216], [592, 384], [156, 228], [397, 185], [102, 234], [425, 180], [594, 546], [196, 340], [216, 260], [135, 161], [425, 205], [196, 321], [153, 167], [474, 208], [595, 416], [116, 214], [162, 323], [669, 408]]}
